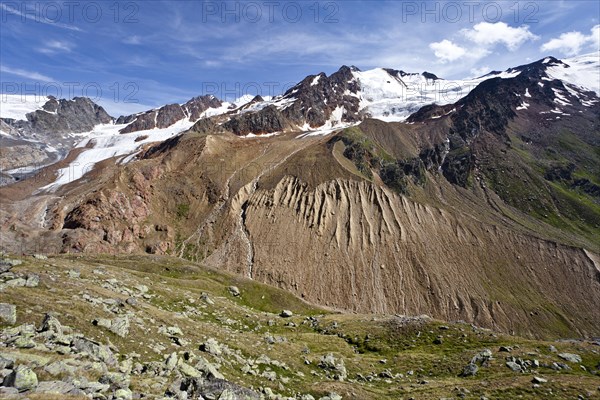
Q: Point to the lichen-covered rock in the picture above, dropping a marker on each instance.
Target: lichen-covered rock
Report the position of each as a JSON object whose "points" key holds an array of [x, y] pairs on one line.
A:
{"points": [[8, 313], [22, 378]]}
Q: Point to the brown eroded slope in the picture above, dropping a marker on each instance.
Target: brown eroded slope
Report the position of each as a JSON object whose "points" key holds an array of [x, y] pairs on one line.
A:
{"points": [[286, 211]]}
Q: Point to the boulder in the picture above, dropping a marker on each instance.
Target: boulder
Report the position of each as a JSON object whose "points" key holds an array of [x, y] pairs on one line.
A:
{"points": [[208, 369], [120, 326], [235, 292], [470, 369], [123, 394], [514, 366], [96, 351], [8, 313], [51, 324], [211, 346], [573, 358], [32, 280], [22, 378], [55, 387]]}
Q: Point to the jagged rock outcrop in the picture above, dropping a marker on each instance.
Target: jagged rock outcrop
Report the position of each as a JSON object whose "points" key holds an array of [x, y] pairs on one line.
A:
{"points": [[313, 102], [317, 97], [268, 120], [60, 116], [167, 115]]}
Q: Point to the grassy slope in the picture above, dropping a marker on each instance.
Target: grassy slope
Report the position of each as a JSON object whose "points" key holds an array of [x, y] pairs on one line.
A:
{"points": [[362, 341]]}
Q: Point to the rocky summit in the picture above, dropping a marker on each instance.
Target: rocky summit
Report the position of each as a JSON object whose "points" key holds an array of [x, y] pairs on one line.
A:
{"points": [[368, 234]]}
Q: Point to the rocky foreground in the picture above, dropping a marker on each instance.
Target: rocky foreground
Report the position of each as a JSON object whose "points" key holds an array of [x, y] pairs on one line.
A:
{"points": [[157, 327]]}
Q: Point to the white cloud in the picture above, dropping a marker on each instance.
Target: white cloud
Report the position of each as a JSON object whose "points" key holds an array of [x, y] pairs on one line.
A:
{"points": [[572, 43], [487, 34], [447, 51], [56, 46], [25, 74], [477, 72], [135, 39], [36, 18]]}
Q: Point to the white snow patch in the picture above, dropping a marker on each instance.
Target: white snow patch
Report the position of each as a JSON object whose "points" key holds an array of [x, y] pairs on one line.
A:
{"points": [[527, 93], [17, 106], [560, 99], [216, 111], [523, 106], [583, 71], [252, 135], [106, 142], [390, 98], [315, 80]]}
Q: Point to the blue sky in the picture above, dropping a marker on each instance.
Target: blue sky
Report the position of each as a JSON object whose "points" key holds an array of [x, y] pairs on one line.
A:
{"points": [[135, 55]]}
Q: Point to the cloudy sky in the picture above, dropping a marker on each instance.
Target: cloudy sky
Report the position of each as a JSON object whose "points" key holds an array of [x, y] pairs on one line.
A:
{"points": [[135, 55]]}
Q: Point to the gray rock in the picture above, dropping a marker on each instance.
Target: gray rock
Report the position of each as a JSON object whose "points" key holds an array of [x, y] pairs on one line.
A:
{"points": [[142, 288], [8, 391], [483, 357], [7, 262], [24, 342], [211, 346], [8, 313], [205, 298], [538, 380], [171, 362], [32, 281], [514, 366], [573, 358], [123, 394], [208, 369], [6, 363], [332, 396], [115, 380], [93, 387], [40, 256], [120, 326], [51, 324], [470, 369], [188, 371], [74, 274], [102, 322], [55, 387], [174, 331], [337, 368], [132, 301], [97, 351], [18, 282], [235, 292], [22, 378], [228, 395], [286, 314], [60, 368]]}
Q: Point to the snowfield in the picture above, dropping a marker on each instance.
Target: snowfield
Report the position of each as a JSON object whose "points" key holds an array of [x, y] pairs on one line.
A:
{"points": [[394, 99], [583, 71], [16, 106], [107, 142]]}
